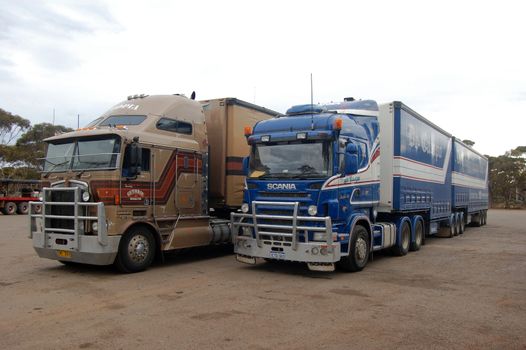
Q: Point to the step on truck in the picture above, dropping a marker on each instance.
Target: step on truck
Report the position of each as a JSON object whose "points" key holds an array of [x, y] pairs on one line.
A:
{"points": [[331, 184], [152, 174]]}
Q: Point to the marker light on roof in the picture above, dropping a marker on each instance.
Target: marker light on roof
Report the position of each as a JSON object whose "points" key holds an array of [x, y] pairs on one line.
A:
{"points": [[338, 124]]}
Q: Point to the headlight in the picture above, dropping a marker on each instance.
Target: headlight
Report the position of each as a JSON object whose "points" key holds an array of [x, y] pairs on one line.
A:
{"points": [[95, 226], [85, 196], [246, 231], [244, 208], [313, 210]]}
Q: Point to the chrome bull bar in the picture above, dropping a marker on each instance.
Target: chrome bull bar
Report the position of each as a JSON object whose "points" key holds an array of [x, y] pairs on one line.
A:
{"points": [[70, 235], [297, 225]]}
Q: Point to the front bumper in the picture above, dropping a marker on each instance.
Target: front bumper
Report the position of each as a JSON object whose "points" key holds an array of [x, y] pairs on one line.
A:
{"points": [[247, 246], [278, 236], [70, 242]]}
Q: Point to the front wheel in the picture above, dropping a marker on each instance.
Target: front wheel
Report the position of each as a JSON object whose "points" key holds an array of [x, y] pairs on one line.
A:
{"points": [[136, 250], [358, 251]]}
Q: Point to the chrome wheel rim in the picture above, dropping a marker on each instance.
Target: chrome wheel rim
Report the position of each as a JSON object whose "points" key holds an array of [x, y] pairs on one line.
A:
{"points": [[360, 250], [138, 248]]}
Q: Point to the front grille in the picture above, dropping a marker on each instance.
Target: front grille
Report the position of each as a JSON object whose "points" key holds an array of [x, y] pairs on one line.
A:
{"points": [[65, 210]]}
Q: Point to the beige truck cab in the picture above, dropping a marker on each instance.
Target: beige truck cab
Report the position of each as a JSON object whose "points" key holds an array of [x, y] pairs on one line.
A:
{"points": [[152, 174]]}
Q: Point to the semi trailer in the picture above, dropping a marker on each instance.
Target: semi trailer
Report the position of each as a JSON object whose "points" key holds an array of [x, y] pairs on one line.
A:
{"points": [[152, 174], [15, 195], [331, 184]]}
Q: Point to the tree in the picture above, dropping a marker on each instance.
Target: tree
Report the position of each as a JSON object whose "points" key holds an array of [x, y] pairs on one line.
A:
{"points": [[508, 177], [30, 146], [11, 126]]}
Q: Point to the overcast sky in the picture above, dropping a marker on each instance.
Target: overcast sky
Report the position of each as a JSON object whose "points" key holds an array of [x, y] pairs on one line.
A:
{"points": [[461, 64]]}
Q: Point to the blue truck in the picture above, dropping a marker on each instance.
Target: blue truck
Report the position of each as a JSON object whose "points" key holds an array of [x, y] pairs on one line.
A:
{"points": [[331, 184]]}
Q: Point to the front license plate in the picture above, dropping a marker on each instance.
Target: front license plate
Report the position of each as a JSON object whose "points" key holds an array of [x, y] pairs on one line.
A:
{"points": [[64, 254], [277, 255]]}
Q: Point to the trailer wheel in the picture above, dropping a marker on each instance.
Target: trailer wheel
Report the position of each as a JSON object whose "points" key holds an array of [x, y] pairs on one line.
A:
{"points": [[484, 217], [23, 208], [401, 248], [456, 224], [136, 250], [419, 234], [37, 209], [9, 208], [462, 226], [358, 251]]}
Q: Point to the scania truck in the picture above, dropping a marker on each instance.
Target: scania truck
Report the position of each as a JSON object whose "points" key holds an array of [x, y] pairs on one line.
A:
{"points": [[331, 184], [152, 174]]}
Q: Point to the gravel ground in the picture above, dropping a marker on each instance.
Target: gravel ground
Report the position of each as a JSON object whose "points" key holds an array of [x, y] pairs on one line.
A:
{"points": [[468, 292]]}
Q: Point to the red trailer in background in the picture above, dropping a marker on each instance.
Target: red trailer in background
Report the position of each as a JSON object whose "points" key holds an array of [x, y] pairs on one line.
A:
{"points": [[16, 194]]}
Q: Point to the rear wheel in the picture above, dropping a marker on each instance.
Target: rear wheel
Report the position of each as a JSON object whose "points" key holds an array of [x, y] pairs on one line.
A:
{"points": [[456, 224], [136, 250], [402, 247], [419, 234], [23, 208], [484, 217], [358, 251], [462, 225], [9, 208]]}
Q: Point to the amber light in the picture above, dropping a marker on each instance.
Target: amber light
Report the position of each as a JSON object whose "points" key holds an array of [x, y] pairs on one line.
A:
{"points": [[117, 199], [338, 124], [248, 131]]}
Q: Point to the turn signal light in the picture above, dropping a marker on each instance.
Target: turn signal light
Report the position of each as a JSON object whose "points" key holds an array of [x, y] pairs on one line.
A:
{"points": [[117, 199], [338, 123], [248, 131]]}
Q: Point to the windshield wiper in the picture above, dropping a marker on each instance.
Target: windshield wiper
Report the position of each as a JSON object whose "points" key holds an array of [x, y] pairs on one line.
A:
{"points": [[54, 166]]}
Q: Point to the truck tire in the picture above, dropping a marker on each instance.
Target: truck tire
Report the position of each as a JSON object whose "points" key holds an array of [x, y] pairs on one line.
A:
{"points": [[9, 208], [401, 248], [136, 250], [484, 217], [419, 234], [37, 209], [23, 208], [456, 224], [478, 221], [358, 251], [462, 226]]}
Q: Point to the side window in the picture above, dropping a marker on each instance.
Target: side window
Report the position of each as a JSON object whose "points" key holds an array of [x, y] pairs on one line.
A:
{"points": [[145, 161], [174, 126], [362, 154]]}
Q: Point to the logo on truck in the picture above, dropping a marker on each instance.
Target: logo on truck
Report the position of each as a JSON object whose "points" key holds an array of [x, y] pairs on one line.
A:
{"points": [[135, 194], [281, 186]]}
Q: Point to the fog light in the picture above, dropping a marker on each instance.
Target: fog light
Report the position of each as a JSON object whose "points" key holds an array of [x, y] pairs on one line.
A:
{"points": [[244, 208], [313, 210], [246, 231], [301, 135], [85, 196], [323, 251], [95, 226], [319, 236], [314, 250], [265, 138]]}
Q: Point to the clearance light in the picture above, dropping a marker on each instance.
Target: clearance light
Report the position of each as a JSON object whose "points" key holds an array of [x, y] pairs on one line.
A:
{"points": [[248, 131], [301, 135], [265, 138], [338, 123], [117, 199]]}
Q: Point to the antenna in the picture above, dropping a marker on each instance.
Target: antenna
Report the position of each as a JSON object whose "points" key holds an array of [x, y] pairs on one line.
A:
{"points": [[311, 104], [53, 116], [78, 121]]}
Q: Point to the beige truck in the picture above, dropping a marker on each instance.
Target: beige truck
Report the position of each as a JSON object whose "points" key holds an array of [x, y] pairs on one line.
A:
{"points": [[152, 174]]}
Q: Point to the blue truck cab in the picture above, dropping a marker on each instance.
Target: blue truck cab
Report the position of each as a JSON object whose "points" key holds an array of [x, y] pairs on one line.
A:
{"points": [[318, 191]]}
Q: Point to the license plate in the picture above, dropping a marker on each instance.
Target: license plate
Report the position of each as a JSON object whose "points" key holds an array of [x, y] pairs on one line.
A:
{"points": [[277, 255], [64, 254]]}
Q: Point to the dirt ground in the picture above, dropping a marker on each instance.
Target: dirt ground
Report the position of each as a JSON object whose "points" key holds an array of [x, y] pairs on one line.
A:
{"points": [[468, 292]]}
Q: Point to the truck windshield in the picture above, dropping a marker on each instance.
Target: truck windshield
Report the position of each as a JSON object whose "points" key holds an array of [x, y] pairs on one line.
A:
{"points": [[290, 160], [82, 154]]}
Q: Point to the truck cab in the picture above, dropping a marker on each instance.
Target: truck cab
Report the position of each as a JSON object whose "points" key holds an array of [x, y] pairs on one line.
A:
{"points": [[312, 179]]}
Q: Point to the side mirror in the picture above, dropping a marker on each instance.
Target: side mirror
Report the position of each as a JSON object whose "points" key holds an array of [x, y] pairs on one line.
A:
{"points": [[246, 161], [135, 159], [350, 159]]}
